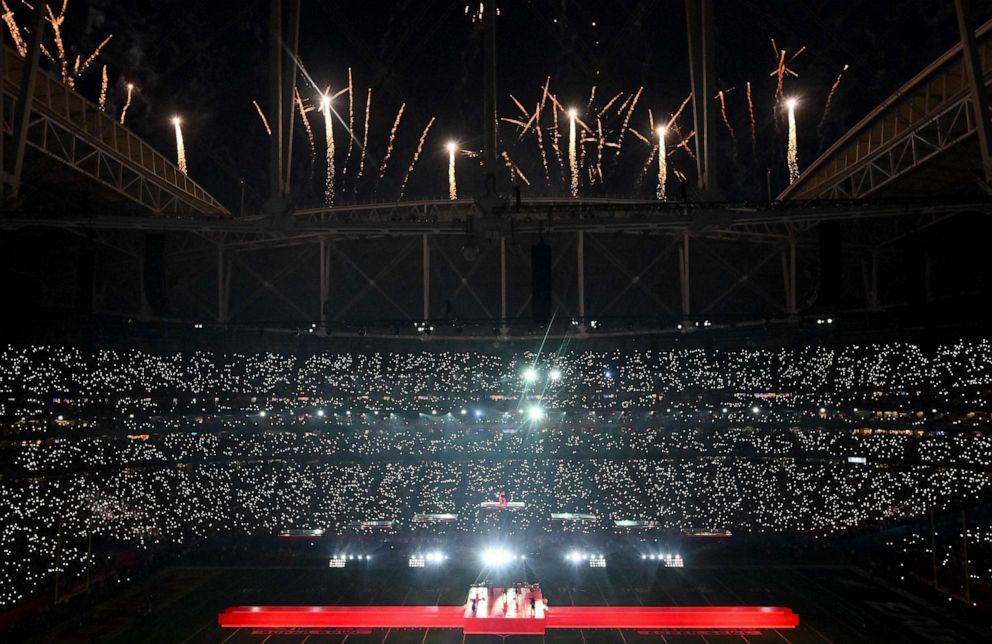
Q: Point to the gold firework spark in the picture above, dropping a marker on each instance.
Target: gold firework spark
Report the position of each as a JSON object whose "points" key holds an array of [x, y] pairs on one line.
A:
{"points": [[781, 69], [600, 140], [675, 117], [261, 115], [514, 169], [365, 138], [15, 31], [103, 89], [750, 114], [540, 144], [518, 123], [626, 120], [96, 52], [416, 155], [662, 165], [592, 97], [573, 165], [351, 122], [723, 114], [306, 123], [325, 108], [830, 96], [638, 135], [180, 146], [609, 103], [127, 102], [452, 185], [392, 139], [519, 106], [56, 23], [792, 156]]}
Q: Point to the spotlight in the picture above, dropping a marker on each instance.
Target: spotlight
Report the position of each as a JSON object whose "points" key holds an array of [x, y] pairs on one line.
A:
{"points": [[496, 557], [262, 413], [791, 103], [535, 414], [320, 413], [554, 375], [478, 413], [756, 410], [530, 375]]}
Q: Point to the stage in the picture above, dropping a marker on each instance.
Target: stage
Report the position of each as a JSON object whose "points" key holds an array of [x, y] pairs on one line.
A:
{"points": [[519, 610]]}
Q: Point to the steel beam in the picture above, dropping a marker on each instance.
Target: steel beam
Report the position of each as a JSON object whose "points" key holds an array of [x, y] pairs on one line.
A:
{"points": [[979, 96], [684, 275], [25, 98], [426, 265]]}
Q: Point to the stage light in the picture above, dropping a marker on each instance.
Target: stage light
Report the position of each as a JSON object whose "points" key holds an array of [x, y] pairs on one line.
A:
{"points": [[464, 411], [755, 410], [608, 375], [320, 413], [530, 375], [554, 375], [496, 557], [478, 413], [262, 413], [535, 414]]}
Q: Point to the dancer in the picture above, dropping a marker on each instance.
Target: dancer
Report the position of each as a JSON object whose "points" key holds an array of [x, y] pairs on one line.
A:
{"points": [[502, 499]]}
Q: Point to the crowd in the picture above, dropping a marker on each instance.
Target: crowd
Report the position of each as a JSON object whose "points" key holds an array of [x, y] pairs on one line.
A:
{"points": [[132, 449]]}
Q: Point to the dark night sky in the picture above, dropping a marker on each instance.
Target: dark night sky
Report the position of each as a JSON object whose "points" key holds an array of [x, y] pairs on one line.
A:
{"points": [[207, 61]]}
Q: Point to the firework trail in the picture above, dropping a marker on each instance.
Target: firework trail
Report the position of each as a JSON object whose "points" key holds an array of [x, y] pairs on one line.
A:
{"points": [[792, 159], [96, 52], [781, 69], [626, 120], [723, 114], [365, 138], [678, 113], [662, 165], [609, 103], [127, 102], [540, 144], [389, 146], [830, 96], [15, 31], [514, 169], [518, 123], [600, 140], [351, 122], [452, 185], [261, 115], [56, 23], [638, 135], [750, 114], [573, 165], [416, 155], [592, 97], [103, 89], [306, 124], [624, 105], [519, 106], [180, 147], [527, 125], [325, 108]]}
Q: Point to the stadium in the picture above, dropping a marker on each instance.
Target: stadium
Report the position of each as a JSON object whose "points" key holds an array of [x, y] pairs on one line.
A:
{"points": [[434, 322]]}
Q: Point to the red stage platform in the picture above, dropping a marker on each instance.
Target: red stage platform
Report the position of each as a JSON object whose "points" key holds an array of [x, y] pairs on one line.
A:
{"points": [[509, 614]]}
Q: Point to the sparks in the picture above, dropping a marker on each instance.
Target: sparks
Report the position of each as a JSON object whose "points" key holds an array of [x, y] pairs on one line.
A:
{"points": [[626, 120], [15, 31], [540, 144], [750, 114], [723, 114], [325, 108], [127, 102], [392, 139], [180, 147], [365, 139], [573, 165], [351, 122], [306, 124], [793, 161], [830, 96], [662, 165], [416, 155], [452, 185], [103, 89], [261, 115], [96, 52]]}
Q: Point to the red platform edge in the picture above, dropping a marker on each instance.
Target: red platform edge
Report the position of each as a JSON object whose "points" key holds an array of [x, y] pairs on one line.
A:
{"points": [[557, 617]]}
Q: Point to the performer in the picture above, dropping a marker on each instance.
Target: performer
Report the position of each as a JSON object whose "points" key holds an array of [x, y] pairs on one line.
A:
{"points": [[502, 499]]}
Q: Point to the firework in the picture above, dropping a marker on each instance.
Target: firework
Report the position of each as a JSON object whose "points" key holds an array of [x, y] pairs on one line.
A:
{"points": [[325, 108], [626, 120], [15, 31], [389, 146], [180, 147], [127, 102], [56, 23], [662, 165], [540, 144], [351, 122], [573, 165], [514, 168], [519, 106], [103, 88], [678, 113], [750, 114], [416, 155], [592, 97], [365, 138], [635, 133], [452, 185], [830, 96], [261, 115], [792, 159], [80, 68], [609, 103], [723, 114], [306, 123], [600, 140]]}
